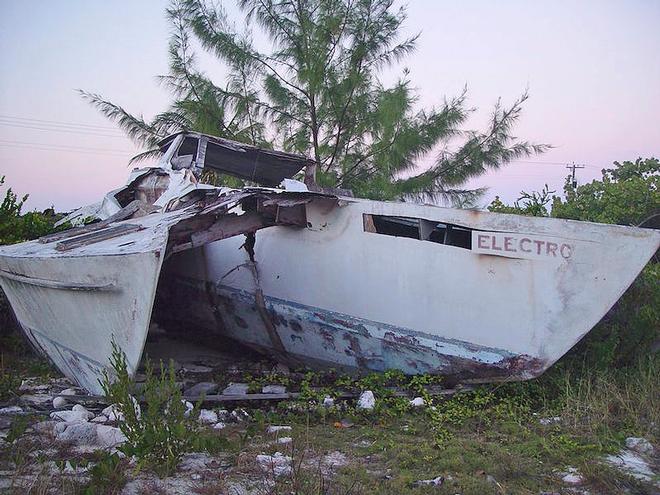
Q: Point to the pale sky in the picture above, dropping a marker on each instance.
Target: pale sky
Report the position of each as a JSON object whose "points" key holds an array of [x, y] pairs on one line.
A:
{"points": [[592, 69]]}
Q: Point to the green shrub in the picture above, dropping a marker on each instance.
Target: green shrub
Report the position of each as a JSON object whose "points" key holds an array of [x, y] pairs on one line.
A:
{"points": [[626, 195], [17, 227], [161, 431], [107, 476], [531, 204]]}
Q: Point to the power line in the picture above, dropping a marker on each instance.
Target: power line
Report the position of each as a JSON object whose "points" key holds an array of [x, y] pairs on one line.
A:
{"points": [[58, 123], [50, 150], [548, 163], [58, 147], [68, 131], [65, 146]]}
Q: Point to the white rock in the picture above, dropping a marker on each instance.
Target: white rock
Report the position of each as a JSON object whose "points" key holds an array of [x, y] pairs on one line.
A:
{"points": [[189, 407], [59, 427], [632, 463], [59, 402], [550, 421], [207, 416], [273, 389], [99, 419], [112, 413], [82, 433], [334, 460], [201, 388], [276, 429], [236, 389], [419, 402], [640, 445], [219, 425], [240, 415], [11, 410], [69, 391], [81, 409], [572, 476], [367, 400], [432, 482], [328, 401], [285, 440], [86, 434], [72, 416], [223, 414], [278, 464], [109, 437]]}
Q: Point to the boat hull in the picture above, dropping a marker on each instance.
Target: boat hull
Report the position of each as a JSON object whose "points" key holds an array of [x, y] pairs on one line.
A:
{"points": [[325, 281], [73, 309], [339, 295]]}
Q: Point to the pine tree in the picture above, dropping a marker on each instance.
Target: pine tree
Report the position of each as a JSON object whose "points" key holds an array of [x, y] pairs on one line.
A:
{"points": [[317, 91]]}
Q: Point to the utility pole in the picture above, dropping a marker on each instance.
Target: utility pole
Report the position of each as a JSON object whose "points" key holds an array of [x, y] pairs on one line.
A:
{"points": [[573, 166]]}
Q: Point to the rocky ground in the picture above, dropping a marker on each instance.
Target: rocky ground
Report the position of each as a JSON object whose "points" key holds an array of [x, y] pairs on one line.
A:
{"points": [[54, 439]]}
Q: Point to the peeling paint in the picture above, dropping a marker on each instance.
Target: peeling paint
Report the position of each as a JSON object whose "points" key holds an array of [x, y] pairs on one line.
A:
{"points": [[320, 337]]}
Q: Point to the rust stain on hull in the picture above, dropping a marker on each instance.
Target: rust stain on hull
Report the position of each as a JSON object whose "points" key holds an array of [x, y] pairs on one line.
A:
{"points": [[318, 337]]}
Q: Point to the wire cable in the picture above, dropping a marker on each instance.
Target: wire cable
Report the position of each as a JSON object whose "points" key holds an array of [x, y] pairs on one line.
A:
{"points": [[58, 123]]}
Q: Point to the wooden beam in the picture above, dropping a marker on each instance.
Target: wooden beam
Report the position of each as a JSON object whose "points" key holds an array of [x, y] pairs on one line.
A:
{"points": [[126, 212], [97, 236]]}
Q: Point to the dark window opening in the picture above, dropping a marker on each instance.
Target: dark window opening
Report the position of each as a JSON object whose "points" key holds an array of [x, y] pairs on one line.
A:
{"points": [[186, 154], [394, 226], [188, 147], [417, 228]]}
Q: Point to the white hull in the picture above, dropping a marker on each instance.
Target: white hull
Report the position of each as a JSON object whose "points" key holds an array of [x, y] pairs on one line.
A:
{"points": [[344, 297], [316, 279]]}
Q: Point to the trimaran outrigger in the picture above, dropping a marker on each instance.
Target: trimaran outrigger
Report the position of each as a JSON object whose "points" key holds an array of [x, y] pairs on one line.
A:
{"points": [[314, 278]]}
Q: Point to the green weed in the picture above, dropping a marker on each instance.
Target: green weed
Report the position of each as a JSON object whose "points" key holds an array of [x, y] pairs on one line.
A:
{"points": [[160, 432], [108, 476]]}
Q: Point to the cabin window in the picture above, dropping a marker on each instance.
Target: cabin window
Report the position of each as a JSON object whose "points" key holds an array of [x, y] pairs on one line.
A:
{"points": [[185, 155], [417, 228], [188, 147]]}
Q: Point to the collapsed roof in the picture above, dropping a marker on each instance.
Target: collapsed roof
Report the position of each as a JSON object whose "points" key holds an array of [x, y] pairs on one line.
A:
{"points": [[201, 151]]}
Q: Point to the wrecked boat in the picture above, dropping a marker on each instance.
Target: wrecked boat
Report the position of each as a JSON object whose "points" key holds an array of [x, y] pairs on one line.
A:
{"points": [[312, 277]]}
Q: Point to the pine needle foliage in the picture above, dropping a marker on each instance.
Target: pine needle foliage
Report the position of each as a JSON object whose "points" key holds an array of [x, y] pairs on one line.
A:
{"points": [[317, 90]]}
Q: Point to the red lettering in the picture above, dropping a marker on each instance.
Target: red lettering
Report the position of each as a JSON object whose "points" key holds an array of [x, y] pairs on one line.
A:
{"points": [[538, 246], [480, 238], [508, 245], [551, 248], [566, 251], [493, 245], [528, 241]]}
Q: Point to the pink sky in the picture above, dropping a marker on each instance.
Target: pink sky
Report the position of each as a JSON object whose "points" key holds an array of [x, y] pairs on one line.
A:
{"points": [[592, 69]]}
